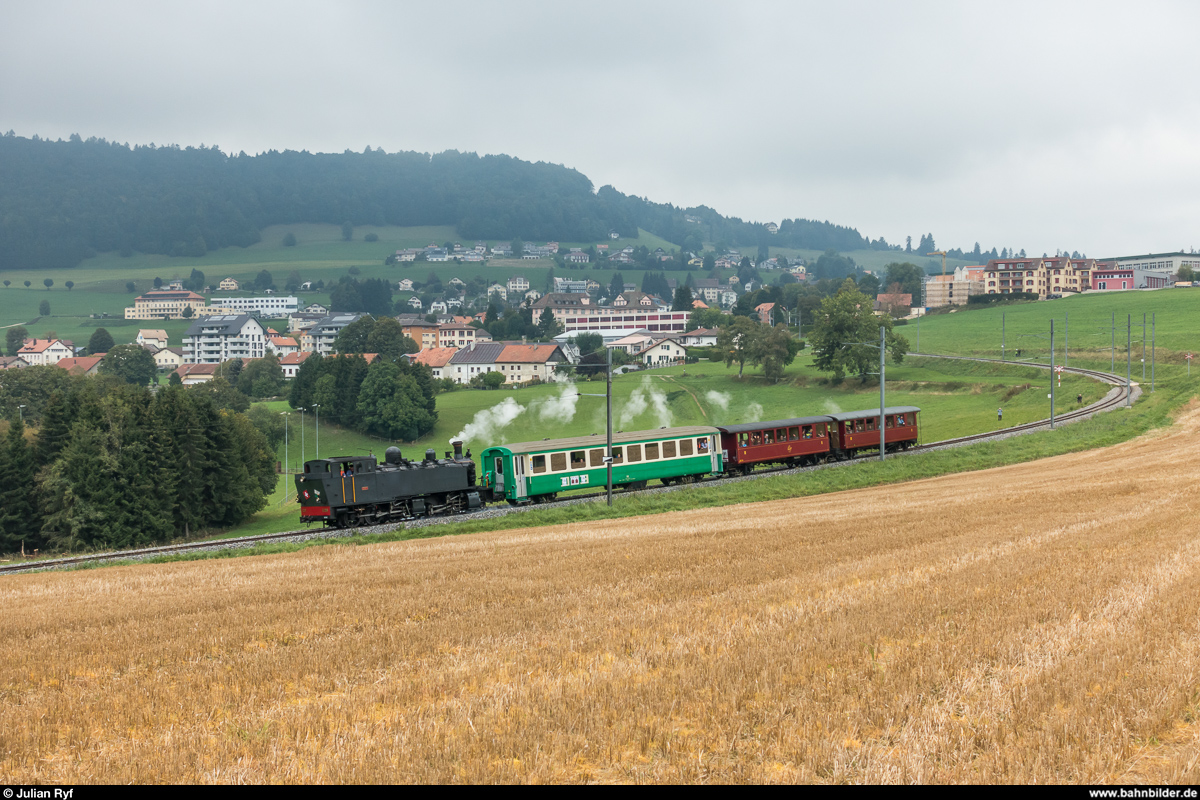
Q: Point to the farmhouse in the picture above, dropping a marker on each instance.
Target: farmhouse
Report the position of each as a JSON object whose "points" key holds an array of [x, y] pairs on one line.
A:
{"points": [[44, 352]]}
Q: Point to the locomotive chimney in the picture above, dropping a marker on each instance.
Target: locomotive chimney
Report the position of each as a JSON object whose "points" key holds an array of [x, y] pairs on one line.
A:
{"points": [[457, 445]]}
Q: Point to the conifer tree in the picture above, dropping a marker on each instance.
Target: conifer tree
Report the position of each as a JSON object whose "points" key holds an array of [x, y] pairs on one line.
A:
{"points": [[18, 513]]}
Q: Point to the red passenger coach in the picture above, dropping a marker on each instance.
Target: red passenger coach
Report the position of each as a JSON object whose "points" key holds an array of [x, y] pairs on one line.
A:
{"points": [[859, 430], [804, 440]]}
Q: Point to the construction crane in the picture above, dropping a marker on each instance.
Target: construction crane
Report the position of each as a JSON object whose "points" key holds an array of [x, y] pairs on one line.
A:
{"points": [[941, 253]]}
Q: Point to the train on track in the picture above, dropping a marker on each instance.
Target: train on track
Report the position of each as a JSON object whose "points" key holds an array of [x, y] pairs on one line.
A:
{"points": [[349, 491]]}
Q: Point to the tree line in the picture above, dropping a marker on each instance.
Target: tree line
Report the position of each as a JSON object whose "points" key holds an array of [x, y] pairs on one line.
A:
{"points": [[107, 464], [63, 201]]}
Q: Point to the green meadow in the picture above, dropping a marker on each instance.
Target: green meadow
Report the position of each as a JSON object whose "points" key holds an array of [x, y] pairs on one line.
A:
{"points": [[1086, 328]]}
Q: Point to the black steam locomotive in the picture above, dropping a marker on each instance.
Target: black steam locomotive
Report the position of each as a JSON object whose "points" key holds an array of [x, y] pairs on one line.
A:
{"points": [[350, 491]]}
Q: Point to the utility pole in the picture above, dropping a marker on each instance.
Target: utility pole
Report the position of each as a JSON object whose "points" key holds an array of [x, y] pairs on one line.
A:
{"points": [[882, 363], [608, 453], [1143, 347], [1152, 343], [921, 311], [1066, 340], [1112, 356], [1002, 321], [1128, 359], [301, 410], [285, 416], [1052, 374], [317, 425]]}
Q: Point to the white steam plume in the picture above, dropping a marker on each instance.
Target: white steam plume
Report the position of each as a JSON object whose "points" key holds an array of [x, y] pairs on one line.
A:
{"points": [[662, 414], [646, 396], [635, 406], [560, 408], [719, 399], [754, 412], [833, 408], [487, 423]]}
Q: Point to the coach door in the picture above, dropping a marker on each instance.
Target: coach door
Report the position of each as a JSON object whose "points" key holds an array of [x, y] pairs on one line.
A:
{"points": [[519, 477], [714, 453], [499, 473]]}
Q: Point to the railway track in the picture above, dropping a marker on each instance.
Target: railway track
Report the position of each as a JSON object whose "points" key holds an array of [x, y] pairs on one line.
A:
{"points": [[1113, 399]]}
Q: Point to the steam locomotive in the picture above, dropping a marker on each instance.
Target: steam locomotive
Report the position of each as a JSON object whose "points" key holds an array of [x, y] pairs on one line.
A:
{"points": [[350, 491]]}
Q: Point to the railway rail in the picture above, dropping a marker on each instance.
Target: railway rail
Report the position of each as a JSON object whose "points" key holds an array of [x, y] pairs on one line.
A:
{"points": [[1121, 393]]}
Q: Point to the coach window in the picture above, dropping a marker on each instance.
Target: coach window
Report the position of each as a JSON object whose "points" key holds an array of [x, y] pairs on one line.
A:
{"points": [[539, 464], [756, 438], [858, 426], [891, 421], [618, 455], [781, 435], [668, 449], [596, 457], [702, 445], [808, 431], [578, 459], [743, 439], [870, 423], [820, 429], [768, 437], [685, 447], [652, 451], [793, 434], [635, 452], [558, 462]]}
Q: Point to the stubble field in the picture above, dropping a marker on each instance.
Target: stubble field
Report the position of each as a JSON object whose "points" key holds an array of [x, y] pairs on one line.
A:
{"points": [[1034, 623]]}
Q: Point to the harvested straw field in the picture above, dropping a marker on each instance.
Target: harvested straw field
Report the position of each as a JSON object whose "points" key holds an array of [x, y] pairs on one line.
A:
{"points": [[1037, 622]]}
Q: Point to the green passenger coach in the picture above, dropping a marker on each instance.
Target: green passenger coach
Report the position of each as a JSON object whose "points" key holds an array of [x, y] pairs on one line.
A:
{"points": [[537, 471]]}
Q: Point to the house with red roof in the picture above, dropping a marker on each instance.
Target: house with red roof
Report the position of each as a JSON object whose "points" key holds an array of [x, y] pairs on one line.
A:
{"points": [[192, 374], [282, 345], [436, 358], [521, 363], [81, 365], [44, 352], [291, 363]]}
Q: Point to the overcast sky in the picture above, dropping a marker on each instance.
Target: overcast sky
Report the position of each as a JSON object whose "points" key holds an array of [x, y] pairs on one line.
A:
{"points": [[1036, 126]]}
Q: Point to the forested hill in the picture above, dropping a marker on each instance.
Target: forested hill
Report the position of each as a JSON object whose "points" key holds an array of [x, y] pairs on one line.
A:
{"points": [[62, 201]]}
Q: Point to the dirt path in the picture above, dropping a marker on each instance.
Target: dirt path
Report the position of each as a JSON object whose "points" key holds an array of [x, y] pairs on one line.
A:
{"points": [[697, 399], [1030, 624]]}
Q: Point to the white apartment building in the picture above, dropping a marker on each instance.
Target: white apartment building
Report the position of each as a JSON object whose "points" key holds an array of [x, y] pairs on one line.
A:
{"points": [[261, 306], [219, 338], [323, 334]]}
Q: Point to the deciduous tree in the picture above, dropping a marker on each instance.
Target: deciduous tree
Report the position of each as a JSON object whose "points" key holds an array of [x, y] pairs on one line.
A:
{"points": [[736, 342], [100, 342], [844, 328], [14, 338], [131, 363]]}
